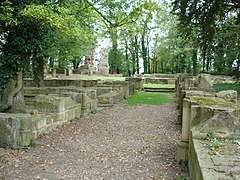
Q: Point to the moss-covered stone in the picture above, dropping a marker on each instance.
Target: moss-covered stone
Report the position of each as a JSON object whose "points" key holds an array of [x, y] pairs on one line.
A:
{"points": [[214, 102]]}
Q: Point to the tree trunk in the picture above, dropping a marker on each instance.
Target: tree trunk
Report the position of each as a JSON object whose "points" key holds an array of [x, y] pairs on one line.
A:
{"points": [[38, 71], [136, 54], [194, 61], [13, 93], [114, 58], [144, 55], [203, 58], [127, 59]]}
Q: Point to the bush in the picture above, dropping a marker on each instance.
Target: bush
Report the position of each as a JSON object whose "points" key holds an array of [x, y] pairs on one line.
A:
{"points": [[227, 86]]}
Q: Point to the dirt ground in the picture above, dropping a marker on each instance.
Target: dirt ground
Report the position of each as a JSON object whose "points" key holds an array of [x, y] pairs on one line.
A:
{"points": [[119, 143]]}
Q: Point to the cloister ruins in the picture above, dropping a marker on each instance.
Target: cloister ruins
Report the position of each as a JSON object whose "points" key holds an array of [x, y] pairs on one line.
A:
{"points": [[203, 113]]}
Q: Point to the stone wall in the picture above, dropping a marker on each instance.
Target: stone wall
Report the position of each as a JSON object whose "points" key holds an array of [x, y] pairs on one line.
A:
{"points": [[87, 97], [45, 114], [15, 130], [58, 102], [210, 129], [157, 80], [137, 81], [62, 82]]}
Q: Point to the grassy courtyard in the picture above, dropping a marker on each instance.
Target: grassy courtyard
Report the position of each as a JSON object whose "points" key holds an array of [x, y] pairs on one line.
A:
{"points": [[148, 98]]}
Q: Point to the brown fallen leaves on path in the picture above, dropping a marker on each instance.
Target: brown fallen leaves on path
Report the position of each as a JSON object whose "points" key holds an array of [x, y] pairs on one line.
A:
{"points": [[121, 142]]}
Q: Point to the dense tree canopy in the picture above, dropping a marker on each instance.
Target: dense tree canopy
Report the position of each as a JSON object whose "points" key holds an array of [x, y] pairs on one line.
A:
{"points": [[216, 28], [198, 36], [34, 32]]}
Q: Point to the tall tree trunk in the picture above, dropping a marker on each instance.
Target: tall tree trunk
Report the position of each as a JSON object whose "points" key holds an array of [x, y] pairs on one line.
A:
{"points": [[136, 53], [209, 57], [127, 59], [51, 62], [13, 93], [114, 59], [144, 54], [194, 61], [148, 60], [203, 59], [38, 70]]}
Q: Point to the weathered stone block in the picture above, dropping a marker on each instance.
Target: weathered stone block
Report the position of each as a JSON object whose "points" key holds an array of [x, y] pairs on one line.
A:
{"points": [[222, 125], [53, 103], [138, 83], [228, 95], [11, 133]]}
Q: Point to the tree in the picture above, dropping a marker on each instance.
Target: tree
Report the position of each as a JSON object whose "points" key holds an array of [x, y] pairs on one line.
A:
{"points": [[31, 33], [116, 15], [210, 21]]}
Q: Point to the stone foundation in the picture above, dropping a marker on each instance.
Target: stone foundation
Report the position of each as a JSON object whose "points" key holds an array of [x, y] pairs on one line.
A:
{"points": [[57, 103], [210, 129], [47, 113]]}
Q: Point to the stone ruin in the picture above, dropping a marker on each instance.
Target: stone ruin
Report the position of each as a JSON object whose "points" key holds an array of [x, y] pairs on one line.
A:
{"points": [[207, 119], [58, 102], [203, 113], [89, 67], [103, 67]]}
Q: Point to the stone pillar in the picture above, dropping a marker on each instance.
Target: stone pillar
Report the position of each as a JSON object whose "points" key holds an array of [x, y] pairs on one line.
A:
{"points": [[26, 136], [85, 108], [103, 67], [182, 151], [54, 73], [138, 82], [186, 116], [69, 72]]}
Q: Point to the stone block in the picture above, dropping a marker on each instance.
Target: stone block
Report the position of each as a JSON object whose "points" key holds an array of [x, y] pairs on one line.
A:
{"points": [[11, 133], [26, 137], [230, 95], [222, 125], [138, 82], [105, 89], [53, 103], [77, 97], [171, 81]]}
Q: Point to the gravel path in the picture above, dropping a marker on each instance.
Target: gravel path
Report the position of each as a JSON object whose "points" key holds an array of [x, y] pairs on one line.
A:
{"points": [[118, 143]]}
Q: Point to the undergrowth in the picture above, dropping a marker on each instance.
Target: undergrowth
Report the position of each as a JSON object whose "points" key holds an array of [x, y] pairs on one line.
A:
{"points": [[227, 86], [148, 98]]}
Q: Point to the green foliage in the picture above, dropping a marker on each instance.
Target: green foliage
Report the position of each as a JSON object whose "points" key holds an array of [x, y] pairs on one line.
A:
{"points": [[212, 143], [227, 86], [31, 32], [148, 98], [213, 28]]}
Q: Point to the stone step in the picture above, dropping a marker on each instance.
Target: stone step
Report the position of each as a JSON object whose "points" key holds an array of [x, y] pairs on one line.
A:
{"points": [[159, 89]]}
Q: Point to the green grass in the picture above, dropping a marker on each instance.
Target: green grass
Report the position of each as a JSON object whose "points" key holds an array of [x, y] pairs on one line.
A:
{"points": [[148, 98], [159, 85], [227, 86]]}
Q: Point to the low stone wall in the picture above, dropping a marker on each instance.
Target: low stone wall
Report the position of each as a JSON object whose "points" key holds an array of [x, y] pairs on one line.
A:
{"points": [[137, 81], [46, 114], [87, 97], [210, 129], [58, 102], [157, 75], [15, 130], [159, 80], [62, 82]]}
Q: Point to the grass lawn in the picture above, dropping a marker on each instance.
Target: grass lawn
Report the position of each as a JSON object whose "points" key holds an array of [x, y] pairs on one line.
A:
{"points": [[227, 86], [159, 85], [148, 98]]}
